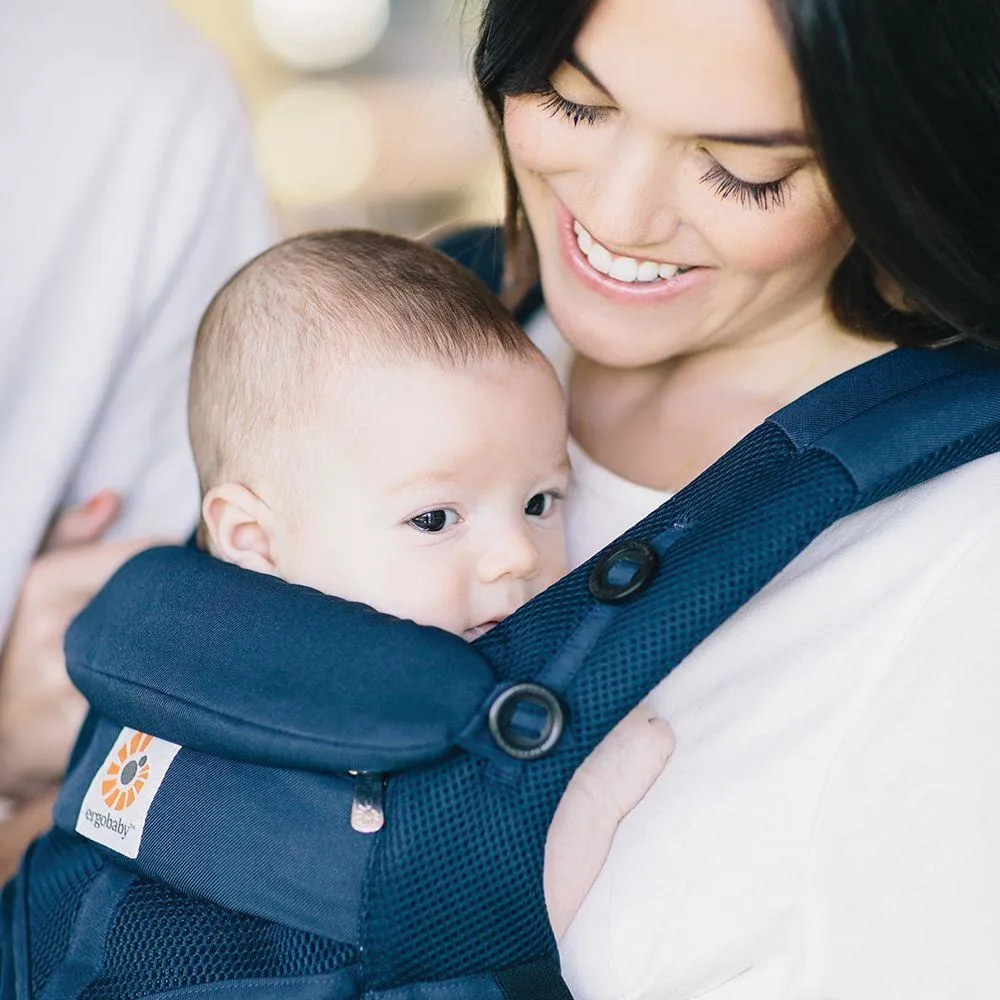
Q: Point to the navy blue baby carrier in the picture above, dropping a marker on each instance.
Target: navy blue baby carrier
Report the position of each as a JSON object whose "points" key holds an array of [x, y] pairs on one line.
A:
{"points": [[295, 711]]}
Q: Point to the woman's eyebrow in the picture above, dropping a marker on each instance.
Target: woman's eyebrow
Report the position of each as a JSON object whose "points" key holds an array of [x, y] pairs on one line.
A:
{"points": [[581, 67], [770, 140]]}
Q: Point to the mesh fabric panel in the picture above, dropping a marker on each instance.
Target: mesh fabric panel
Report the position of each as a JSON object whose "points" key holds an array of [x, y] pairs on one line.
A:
{"points": [[61, 869], [482, 840], [161, 940], [532, 981]]}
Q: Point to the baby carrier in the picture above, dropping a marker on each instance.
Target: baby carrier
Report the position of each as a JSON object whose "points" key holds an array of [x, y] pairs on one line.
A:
{"points": [[296, 797]]}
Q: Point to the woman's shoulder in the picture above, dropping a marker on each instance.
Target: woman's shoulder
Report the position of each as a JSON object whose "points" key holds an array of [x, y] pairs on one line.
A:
{"points": [[947, 514], [926, 525], [953, 624]]}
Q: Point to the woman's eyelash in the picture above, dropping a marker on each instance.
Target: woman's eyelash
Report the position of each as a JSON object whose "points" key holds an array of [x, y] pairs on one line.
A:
{"points": [[767, 195], [555, 103]]}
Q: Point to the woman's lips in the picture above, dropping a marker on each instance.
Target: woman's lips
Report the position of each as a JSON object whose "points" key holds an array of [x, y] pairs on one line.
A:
{"points": [[628, 279]]}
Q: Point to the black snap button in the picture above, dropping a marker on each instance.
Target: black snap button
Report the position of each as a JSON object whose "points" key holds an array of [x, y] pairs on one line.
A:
{"points": [[526, 721], [623, 571]]}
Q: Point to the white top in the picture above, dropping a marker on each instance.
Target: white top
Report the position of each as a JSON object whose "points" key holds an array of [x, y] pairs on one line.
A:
{"points": [[127, 196], [829, 826]]}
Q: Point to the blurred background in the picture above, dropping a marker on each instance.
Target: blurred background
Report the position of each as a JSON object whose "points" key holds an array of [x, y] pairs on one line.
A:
{"points": [[363, 111]]}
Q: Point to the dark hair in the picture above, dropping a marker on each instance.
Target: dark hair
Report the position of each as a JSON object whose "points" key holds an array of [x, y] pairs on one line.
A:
{"points": [[902, 100]]}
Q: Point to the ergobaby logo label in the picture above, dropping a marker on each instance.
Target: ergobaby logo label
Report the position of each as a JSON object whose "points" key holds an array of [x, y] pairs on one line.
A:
{"points": [[114, 810], [127, 772]]}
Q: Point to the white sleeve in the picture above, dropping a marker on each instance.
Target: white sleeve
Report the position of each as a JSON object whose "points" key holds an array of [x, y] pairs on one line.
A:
{"points": [[905, 863], [208, 218]]}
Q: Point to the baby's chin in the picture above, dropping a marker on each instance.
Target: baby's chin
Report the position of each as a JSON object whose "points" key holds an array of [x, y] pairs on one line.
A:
{"points": [[470, 634]]}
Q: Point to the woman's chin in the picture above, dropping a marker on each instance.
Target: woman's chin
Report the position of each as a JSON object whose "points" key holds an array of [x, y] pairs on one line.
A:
{"points": [[605, 337]]}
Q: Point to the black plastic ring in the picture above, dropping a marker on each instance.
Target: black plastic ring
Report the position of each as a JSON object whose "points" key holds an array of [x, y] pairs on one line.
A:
{"points": [[520, 747], [636, 555]]}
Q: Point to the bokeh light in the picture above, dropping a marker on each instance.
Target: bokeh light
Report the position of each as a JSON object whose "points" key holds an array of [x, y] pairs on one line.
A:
{"points": [[315, 143], [316, 35]]}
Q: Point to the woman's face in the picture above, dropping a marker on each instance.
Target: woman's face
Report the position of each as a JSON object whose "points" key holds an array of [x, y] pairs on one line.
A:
{"points": [[671, 152]]}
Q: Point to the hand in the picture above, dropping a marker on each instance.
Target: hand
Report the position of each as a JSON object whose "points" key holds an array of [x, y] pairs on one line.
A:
{"points": [[84, 524], [25, 823], [606, 787], [40, 711]]}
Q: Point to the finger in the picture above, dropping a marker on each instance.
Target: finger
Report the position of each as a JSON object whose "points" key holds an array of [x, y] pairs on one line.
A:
{"points": [[56, 710], [647, 753], [663, 738], [20, 829], [85, 523], [627, 762], [84, 569], [641, 750], [93, 564], [641, 733], [605, 788]]}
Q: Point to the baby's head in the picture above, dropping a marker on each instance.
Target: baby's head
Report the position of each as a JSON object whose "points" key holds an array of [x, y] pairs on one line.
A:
{"points": [[368, 420]]}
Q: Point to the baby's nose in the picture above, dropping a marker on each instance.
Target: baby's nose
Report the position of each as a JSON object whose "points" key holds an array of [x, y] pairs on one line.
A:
{"points": [[512, 554]]}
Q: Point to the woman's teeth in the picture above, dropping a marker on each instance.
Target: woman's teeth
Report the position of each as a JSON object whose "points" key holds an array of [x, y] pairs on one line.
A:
{"points": [[624, 269]]}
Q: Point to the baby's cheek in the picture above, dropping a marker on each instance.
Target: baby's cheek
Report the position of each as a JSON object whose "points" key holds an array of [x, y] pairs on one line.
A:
{"points": [[554, 562], [424, 592]]}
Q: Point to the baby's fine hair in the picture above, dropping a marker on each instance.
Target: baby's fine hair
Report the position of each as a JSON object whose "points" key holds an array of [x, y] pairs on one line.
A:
{"points": [[315, 304]]}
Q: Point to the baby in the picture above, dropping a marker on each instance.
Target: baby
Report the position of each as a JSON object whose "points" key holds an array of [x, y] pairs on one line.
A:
{"points": [[368, 420]]}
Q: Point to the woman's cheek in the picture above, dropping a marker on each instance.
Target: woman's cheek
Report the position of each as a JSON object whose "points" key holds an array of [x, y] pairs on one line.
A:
{"points": [[806, 233], [529, 131]]}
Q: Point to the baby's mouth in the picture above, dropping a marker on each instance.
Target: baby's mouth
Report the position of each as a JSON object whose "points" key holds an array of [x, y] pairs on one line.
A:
{"points": [[476, 631]]}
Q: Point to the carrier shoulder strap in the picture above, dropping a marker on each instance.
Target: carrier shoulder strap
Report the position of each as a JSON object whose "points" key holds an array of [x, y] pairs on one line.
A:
{"points": [[479, 249]]}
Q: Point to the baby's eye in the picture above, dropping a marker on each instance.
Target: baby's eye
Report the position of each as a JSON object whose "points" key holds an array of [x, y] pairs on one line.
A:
{"points": [[434, 520], [541, 504]]}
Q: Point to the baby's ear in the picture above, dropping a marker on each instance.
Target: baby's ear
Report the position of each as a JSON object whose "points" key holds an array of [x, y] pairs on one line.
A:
{"points": [[240, 527]]}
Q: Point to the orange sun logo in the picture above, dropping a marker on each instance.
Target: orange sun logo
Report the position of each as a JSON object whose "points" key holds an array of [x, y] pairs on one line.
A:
{"points": [[124, 778]]}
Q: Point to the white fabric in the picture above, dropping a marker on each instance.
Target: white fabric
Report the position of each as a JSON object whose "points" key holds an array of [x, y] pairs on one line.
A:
{"points": [[829, 826], [127, 196]]}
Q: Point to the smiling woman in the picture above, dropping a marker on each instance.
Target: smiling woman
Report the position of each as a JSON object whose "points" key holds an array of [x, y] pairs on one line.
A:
{"points": [[728, 204], [686, 243], [812, 182], [673, 189]]}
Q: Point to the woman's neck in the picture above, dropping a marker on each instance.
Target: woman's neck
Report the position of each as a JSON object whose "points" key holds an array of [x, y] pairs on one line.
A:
{"points": [[663, 425]]}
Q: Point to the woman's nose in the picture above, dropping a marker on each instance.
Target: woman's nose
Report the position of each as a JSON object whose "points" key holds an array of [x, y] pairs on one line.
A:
{"points": [[633, 203], [512, 554]]}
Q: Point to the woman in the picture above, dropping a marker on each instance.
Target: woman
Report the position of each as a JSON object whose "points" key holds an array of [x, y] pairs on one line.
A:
{"points": [[729, 204], [779, 192]]}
